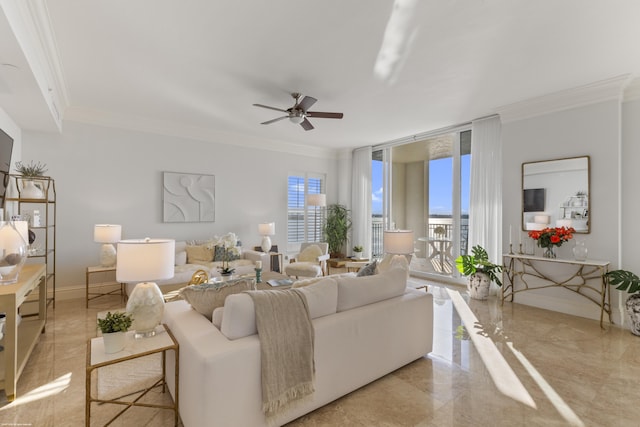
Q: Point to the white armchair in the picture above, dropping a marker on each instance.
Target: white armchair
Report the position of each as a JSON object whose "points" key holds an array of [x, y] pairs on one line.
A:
{"points": [[310, 262]]}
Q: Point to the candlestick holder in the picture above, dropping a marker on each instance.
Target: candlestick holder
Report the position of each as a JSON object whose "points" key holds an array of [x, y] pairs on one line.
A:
{"points": [[520, 250], [258, 275], [510, 249]]}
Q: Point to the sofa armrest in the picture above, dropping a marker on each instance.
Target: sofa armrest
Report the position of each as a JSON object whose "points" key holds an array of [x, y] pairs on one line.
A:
{"points": [[254, 256]]}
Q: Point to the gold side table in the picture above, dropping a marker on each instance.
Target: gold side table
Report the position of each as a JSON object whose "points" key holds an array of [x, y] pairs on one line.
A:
{"points": [[94, 295], [135, 348]]}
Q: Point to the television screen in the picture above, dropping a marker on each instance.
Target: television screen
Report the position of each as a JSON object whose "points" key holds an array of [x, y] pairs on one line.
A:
{"points": [[6, 148], [533, 200]]}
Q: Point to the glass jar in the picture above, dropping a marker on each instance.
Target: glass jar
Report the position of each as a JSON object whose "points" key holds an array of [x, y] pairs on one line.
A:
{"points": [[580, 250], [13, 253]]}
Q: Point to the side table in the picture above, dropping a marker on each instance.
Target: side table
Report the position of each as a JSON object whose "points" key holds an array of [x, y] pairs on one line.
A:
{"points": [[135, 348], [100, 269]]}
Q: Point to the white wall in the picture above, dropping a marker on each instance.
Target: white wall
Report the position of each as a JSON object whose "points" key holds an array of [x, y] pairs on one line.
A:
{"points": [[107, 175], [592, 130], [630, 259]]}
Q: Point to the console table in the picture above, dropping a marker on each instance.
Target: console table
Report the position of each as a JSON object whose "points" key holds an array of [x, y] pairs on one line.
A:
{"points": [[19, 341], [586, 278]]}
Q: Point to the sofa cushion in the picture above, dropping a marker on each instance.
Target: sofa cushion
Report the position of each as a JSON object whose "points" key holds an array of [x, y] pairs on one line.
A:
{"points": [[357, 291], [233, 253], [239, 317], [197, 253], [181, 258], [322, 297], [310, 281], [310, 254], [368, 270], [216, 318], [207, 297]]}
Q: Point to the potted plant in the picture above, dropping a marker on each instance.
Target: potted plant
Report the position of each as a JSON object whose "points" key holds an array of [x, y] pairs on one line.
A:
{"points": [[336, 229], [113, 328], [627, 281], [480, 270], [31, 188], [357, 251]]}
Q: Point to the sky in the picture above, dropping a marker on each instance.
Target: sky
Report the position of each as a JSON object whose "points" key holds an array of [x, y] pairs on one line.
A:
{"points": [[440, 186]]}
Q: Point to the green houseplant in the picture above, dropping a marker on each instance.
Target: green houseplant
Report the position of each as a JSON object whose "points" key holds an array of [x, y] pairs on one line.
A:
{"points": [[113, 328], [629, 282], [357, 251], [336, 229], [31, 170], [480, 270]]}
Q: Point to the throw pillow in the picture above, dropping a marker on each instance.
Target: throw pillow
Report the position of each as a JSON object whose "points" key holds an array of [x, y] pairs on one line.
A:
{"points": [[207, 297], [199, 253], [310, 254], [368, 270], [234, 254], [181, 257]]}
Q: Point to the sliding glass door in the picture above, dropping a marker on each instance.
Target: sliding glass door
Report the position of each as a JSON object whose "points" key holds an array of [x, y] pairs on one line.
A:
{"points": [[427, 182]]}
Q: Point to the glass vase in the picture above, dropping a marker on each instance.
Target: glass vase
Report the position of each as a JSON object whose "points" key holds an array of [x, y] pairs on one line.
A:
{"points": [[549, 252], [580, 251], [13, 253]]}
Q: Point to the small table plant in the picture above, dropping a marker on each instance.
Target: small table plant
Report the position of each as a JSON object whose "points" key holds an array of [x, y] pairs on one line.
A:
{"points": [[113, 328]]}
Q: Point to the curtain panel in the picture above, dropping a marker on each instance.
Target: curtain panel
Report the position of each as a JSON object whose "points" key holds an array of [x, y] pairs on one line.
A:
{"points": [[361, 199]]}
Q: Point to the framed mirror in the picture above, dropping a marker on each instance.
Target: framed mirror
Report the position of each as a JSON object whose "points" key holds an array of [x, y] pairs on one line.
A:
{"points": [[556, 193]]}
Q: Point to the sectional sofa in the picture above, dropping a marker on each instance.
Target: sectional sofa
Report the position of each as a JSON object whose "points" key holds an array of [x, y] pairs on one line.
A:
{"points": [[365, 328]]}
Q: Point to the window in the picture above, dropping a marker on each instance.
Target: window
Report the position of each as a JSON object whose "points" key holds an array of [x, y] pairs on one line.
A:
{"points": [[304, 223]]}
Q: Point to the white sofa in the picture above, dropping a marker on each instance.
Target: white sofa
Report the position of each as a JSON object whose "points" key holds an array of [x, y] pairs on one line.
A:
{"points": [[185, 267], [365, 328]]}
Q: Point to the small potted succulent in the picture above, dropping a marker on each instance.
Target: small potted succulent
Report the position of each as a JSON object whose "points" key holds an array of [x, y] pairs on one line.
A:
{"points": [[480, 270], [357, 252], [31, 187], [113, 328], [627, 281]]}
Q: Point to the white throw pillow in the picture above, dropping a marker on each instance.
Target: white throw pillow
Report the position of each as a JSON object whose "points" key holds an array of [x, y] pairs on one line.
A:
{"points": [[310, 253], [358, 291], [216, 319], [322, 297], [181, 258]]}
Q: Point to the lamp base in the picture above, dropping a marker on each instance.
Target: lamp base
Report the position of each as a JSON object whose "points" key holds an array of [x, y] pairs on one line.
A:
{"points": [[146, 305], [266, 244], [107, 255]]}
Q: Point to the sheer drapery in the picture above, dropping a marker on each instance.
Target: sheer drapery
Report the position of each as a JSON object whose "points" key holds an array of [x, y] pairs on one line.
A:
{"points": [[361, 199], [485, 206]]}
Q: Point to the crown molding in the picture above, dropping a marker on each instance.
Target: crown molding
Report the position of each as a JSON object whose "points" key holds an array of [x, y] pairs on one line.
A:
{"points": [[146, 125], [604, 90], [31, 26], [632, 91]]}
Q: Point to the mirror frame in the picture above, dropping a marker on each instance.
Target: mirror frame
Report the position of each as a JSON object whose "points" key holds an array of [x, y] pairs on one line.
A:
{"points": [[587, 208]]}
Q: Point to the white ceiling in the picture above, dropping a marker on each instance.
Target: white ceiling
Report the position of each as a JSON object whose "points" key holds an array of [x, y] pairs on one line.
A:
{"points": [[200, 64]]}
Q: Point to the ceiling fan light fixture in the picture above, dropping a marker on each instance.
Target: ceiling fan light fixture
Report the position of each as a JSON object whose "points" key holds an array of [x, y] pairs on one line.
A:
{"points": [[297, 119]]}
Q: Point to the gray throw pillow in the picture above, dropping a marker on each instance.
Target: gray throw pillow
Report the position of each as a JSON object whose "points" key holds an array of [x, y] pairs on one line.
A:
{"points": [[368, 270], [207, 297]]}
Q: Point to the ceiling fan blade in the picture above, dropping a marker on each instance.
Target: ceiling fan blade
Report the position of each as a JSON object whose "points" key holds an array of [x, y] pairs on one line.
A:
{"points": [[324, 115], [306, 124], [306, 103], [274, 120], [270, 108]]}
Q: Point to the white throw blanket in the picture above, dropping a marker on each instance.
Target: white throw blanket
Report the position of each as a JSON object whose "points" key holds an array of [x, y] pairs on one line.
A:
{"points": [[286, 348]]}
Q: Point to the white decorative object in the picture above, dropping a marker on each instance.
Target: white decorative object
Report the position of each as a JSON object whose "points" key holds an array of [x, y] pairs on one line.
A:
{"points": [[265, 230], [35, 218], [479, 283], [113, 342], [13, 251], [580, 250], [145, 260], [107, 234], [188, 197], [30, 190]]}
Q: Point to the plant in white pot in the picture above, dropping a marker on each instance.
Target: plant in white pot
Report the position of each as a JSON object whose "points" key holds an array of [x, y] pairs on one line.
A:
{"points": [[627, 281], [113, 328], [480, 270], [357, 252], [31, 187]]}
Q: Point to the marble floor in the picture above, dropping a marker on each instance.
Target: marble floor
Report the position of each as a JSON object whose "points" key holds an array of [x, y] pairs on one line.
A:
{"points": [[491, 365]]}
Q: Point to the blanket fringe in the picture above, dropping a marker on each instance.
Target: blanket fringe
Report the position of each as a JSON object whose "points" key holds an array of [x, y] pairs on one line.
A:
{"points": [[287, 401]]}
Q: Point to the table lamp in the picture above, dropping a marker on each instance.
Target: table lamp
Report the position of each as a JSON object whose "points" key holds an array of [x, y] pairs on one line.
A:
{"points": [[145, 260], [399, 243], [265, 230], [107, 234]]}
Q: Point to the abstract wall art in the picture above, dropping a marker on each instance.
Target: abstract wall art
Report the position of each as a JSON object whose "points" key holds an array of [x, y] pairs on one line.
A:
{"points": [[188, 197]]}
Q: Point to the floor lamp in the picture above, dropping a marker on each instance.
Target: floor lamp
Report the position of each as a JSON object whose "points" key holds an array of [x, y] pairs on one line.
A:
{"points": [[319, 201]]}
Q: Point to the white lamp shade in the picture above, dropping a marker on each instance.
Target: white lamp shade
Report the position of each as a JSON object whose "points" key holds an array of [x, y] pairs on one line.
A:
{"points": [[267, 229], [316, 199], [107, 233], [398, 242], [142, 260]]}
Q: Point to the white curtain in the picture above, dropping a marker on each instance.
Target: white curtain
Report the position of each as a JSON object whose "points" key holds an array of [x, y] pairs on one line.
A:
{"points": [[485, 206], [361, 199]]}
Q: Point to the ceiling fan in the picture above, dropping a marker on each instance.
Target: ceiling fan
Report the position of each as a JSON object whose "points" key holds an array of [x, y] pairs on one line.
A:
{"points": [[300, 111]]}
